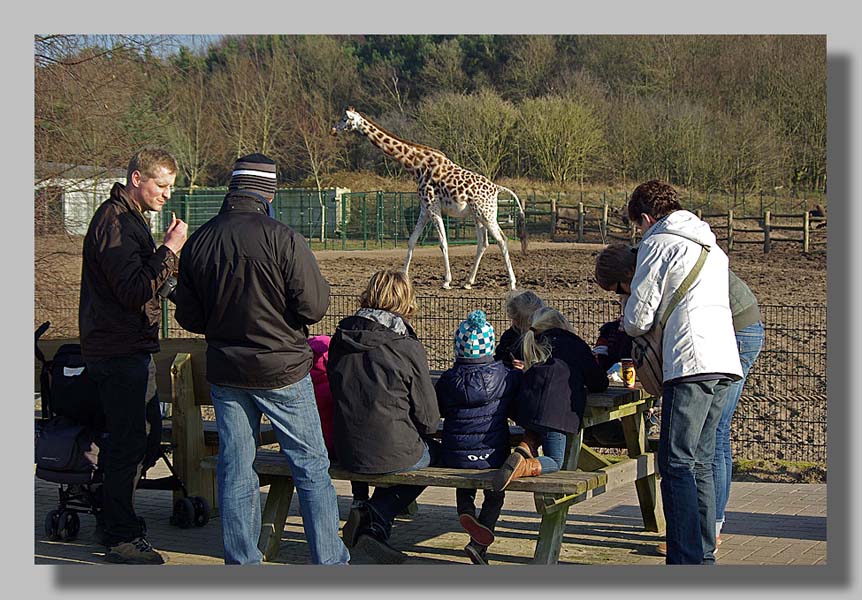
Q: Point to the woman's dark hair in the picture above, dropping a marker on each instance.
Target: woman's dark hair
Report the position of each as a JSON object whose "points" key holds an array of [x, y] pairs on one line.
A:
{"points": [[616, 263], [653, 198]]}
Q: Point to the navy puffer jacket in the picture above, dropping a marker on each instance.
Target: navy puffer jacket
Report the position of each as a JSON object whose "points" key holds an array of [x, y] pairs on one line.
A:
{"points": [[476, 397]]}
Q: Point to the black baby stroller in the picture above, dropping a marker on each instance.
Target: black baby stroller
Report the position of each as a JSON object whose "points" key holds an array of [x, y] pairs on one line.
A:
{"points": [[71, 434]]}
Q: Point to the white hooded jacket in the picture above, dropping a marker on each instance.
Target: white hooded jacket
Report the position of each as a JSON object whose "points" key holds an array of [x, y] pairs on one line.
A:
{"points": [[698, 337]]}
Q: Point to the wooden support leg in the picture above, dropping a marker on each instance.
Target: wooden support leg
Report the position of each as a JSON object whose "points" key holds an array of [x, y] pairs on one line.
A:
{"points": [[647, 487], [188, 435], [274, 516], [650, 501], [550, 537]]}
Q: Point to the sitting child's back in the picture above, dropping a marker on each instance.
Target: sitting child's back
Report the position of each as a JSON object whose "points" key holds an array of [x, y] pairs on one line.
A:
{"points": [[476, 396]]}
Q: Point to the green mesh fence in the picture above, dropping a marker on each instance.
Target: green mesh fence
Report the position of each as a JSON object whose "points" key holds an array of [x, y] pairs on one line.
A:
{"points": [[782, 414]]}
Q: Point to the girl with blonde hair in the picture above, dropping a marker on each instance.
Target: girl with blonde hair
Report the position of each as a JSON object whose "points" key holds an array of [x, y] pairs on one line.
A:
{"points": [[558, 369], [520, 306], [385, 407]]}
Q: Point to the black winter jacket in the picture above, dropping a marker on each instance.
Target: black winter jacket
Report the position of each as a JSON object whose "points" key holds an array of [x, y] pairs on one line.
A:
{"points": [[383, 396], [119, 313], [252, 286], [509, 346], [476, 397], [553, 394]]}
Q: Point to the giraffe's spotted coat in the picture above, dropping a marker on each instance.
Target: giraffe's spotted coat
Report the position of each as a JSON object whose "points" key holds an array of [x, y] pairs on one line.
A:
{"points": [[444, 188]]}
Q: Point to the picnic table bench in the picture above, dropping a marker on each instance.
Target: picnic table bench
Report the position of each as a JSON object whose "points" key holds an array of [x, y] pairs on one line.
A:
{"points": [[585, 474], [181, 380]]}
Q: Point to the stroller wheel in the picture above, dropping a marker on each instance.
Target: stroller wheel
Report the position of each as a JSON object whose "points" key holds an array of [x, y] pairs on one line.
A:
{"points": [[70, 525], [52, 525], [184, 513], [202, 510]]}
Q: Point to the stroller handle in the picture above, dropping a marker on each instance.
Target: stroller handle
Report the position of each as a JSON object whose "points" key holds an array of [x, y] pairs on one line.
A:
{"points": [[39, 331]]}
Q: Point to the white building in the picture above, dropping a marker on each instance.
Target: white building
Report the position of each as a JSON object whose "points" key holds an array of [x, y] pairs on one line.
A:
{"points": [[67, 195]]}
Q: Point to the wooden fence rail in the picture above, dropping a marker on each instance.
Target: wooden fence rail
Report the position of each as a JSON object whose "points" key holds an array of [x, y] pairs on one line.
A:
{"points": [[585, 218]]}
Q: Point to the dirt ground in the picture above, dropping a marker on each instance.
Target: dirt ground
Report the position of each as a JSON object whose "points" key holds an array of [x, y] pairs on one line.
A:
{"points": [[784, 276]]}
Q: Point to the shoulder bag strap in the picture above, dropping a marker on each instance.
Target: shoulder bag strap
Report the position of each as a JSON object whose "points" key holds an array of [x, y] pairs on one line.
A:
{"points": [[686, 283]]}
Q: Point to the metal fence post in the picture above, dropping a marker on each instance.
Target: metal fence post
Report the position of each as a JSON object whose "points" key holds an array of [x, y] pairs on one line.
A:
{"points": [[344, 220], [379, 224], [165, 332]]}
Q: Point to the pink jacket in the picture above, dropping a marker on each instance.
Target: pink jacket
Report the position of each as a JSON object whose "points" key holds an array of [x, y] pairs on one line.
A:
{"points": [[320, 346]]}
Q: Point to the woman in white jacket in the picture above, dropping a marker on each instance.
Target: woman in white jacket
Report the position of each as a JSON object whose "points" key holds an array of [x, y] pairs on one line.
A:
{"points": [[700, 359]]}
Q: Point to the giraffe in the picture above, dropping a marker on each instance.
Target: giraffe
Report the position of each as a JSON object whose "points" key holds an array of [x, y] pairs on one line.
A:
{"points": [[444, 188]]}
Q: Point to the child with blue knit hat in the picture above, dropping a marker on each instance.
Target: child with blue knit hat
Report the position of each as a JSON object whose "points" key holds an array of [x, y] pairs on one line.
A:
{"points": [[476, 396]]}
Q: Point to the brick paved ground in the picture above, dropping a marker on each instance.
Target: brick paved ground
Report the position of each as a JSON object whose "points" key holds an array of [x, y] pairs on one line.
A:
{"points": [[768, 524]]}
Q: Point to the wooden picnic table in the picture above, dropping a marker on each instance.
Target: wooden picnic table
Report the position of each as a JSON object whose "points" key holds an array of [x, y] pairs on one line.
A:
{"points": [[585, 473]]}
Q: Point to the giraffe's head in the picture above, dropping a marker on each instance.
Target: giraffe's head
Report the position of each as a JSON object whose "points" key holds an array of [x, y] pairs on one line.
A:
{"points": [[349, 122]]}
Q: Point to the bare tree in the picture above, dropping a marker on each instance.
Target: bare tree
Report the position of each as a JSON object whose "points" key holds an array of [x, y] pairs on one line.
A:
{"points": [[192, 130], [475, 130], [560, 137], [530, 70]]}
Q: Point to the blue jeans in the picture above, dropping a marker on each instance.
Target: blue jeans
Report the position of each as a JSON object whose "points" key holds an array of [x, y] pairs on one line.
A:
{"points": [[749, 341], [689, 418], [553, 450], [387, 502], [293, 413]]}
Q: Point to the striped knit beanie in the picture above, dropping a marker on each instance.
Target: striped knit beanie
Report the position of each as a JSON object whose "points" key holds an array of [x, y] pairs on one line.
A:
{"points": [[256, 173], [474, 337]]}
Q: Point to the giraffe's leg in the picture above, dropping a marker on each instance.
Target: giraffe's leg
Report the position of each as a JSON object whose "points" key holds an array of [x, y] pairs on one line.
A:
{"points": [[494, 230], [414, 238], [481, 246], [444, 246]]}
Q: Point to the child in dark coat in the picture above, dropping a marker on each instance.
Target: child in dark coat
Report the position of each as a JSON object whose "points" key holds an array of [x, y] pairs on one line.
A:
{"points": [[323, 395], [385, 407], [558, 369], [476, 396]]}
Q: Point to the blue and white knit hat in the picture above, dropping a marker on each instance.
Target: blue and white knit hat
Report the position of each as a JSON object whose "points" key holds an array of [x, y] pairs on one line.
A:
{"points": [[474, 337]]}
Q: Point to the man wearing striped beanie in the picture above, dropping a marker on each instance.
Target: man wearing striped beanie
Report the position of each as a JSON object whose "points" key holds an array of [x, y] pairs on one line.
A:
{"points": [[254, 173], [252, 286]]}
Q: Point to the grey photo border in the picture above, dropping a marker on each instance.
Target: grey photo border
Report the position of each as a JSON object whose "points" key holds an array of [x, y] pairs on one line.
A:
{"points": [[843, 284]]}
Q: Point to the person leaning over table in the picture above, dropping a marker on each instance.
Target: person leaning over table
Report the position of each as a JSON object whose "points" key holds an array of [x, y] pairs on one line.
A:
{"points": [[615, 266], [700, 359], [118, 317], [252, 286]]}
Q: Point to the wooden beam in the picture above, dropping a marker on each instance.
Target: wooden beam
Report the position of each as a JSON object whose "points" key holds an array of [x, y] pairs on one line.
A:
{"points": [[274, 516]]}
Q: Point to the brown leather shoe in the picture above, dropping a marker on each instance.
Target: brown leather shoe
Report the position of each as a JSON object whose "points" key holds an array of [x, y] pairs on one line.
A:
{"points": [[516, 466]]}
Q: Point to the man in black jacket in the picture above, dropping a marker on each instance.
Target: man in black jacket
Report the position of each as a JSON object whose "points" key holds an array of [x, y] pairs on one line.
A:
{"points": [[118, 319], [251, 285]]}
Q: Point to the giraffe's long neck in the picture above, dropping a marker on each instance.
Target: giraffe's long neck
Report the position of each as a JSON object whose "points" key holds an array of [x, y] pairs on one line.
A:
{"points": [[412, 156]]}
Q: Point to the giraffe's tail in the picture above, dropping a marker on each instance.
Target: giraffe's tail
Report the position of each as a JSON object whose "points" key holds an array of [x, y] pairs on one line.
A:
{"points": [[521, 221]]}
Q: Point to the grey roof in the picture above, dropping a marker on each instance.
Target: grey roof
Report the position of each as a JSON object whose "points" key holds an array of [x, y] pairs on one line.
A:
{"points": [[55, 170]]}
